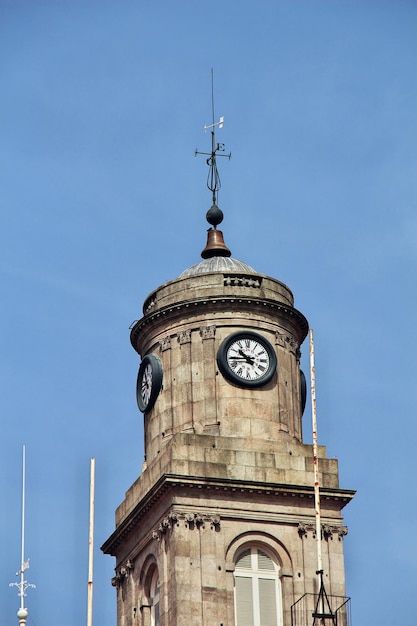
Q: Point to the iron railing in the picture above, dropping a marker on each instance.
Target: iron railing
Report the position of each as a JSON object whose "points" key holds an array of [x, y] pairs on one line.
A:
{"points": [[307, 612]]}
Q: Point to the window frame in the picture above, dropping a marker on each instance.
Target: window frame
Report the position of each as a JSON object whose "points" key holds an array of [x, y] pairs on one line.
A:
{"points": [[255, 574], [154, 597]]}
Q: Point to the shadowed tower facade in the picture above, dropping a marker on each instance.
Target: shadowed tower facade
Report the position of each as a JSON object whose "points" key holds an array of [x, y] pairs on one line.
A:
{"points": [[219, 528]]}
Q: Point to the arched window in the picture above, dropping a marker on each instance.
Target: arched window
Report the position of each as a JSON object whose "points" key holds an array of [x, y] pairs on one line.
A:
{"points": [[258, 600], [154, 596]]}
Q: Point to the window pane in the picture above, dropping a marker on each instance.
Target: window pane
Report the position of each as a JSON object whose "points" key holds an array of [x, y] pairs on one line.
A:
{"points": [[244, 560], [156, 615], [265, 562], [267, 602], [244, 602], [154, 596]]}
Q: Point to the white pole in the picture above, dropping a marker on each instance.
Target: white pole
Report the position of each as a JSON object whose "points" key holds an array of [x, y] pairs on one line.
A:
{"points": [[22, 560], [315, 456], [23, 584], [91, 547], [22, 612]]}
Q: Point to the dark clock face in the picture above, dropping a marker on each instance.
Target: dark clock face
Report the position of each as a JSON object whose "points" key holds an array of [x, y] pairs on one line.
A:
{"points": [[303, 391], [149, 382], [247, 359]]}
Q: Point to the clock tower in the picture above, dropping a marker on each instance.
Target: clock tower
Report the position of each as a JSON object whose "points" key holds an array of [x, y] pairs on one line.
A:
{"points": [[219, 529]]}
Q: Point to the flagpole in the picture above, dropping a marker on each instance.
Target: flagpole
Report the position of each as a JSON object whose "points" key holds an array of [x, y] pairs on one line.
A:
{"points": [[91, 547], [22, 560], [23, 613], [315, 455]]}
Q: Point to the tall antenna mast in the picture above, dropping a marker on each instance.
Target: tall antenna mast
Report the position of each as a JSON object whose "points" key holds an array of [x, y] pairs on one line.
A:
{"points": [[213, 178], [215, 242], [22, 585]]}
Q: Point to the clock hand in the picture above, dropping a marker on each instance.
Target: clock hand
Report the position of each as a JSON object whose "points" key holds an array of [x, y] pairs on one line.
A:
{"points": [[247, 358]]}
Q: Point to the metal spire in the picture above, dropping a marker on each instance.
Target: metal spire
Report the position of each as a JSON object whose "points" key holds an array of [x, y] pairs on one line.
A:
{"points": [[215, 242], [213, 177], [23, 584]]}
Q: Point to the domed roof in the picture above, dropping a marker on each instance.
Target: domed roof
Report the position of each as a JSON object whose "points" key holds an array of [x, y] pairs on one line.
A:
{"points": [[218, 264]]}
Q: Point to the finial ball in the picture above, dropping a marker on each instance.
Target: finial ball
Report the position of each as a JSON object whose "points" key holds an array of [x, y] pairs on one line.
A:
{"points": [[214, 215]]}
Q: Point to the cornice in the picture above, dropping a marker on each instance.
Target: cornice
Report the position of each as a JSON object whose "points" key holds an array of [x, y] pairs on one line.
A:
{"points": [[171, 482], [215, 303]]}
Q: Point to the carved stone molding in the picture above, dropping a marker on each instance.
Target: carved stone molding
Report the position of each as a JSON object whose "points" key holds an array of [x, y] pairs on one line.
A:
{"points": [[241, 281], [327, 531], [184, 336], [196, 520], [207, 332], [165, 525], [342, 532], [165, 343], [122, 573], [190, 520], [288, 342], [305, 528], [150, 305], [252, 299]]}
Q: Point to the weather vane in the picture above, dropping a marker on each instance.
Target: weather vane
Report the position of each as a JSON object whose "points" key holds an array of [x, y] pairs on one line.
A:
{"points": [[213, 178], [23, 584]]}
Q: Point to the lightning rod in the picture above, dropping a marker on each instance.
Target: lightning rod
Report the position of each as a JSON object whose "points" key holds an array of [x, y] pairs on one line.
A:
{"points": [[22, 585]]}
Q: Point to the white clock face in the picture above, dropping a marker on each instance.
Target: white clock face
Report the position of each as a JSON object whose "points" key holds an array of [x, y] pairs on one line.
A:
{"points": [[146, 385], [248, 359], [149, 382]]}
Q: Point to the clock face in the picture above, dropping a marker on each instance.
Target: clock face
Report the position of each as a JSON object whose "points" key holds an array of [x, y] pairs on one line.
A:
{"points": [[149, 382], [303, 391], [247, 359]]}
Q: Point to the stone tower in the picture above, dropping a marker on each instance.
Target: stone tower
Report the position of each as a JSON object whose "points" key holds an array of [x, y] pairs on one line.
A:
{"points": [[219, 529]]}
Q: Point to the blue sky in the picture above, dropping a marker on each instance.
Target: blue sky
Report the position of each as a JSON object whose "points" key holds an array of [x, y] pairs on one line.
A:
{"points": [[103, 104]]}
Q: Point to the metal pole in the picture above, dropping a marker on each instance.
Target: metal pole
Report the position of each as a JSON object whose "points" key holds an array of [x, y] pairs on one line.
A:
{"points": [[23, 612], [22, 560], [24, 565], [91, 547], [315, 456]]}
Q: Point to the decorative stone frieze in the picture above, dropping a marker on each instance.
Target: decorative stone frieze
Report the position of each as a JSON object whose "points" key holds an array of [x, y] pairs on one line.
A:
{"points": [[342, 532], [189, 520], [166, 343], [327, 531], [286, 341], [239, 301], [196, 520], [207, 332], [122, 573], [242, 281], [150, 304], [184, 337], [304, 528], [165, 525]]}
